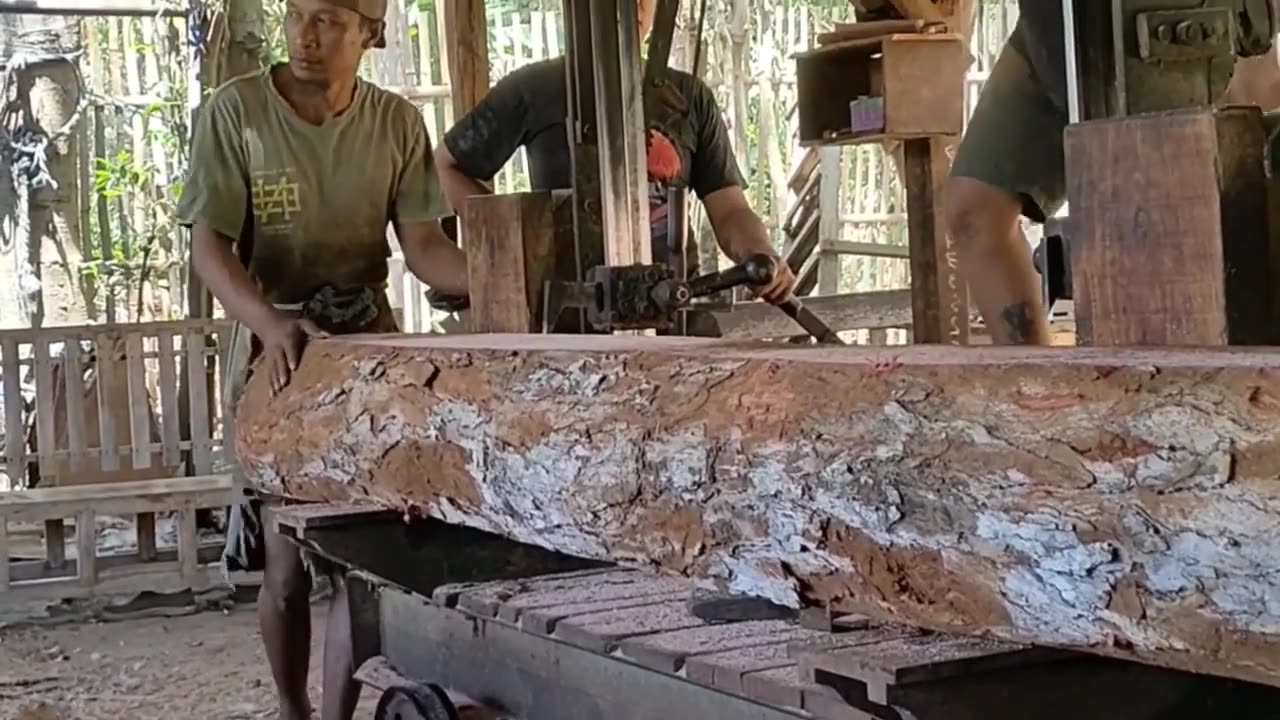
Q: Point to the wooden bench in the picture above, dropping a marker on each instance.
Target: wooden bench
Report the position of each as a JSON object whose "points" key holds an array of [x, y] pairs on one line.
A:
{"points": [[189, 565], [124, 421]]}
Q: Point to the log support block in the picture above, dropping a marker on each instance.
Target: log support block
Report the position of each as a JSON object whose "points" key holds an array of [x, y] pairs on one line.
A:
{"points": [[1117, 500], [1171, 238]]}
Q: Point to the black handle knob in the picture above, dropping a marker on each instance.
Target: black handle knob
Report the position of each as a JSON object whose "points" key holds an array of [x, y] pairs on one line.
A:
{"points": [[755, 271]]}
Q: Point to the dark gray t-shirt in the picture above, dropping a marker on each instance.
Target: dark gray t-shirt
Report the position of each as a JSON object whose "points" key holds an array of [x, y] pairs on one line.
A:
{"points": [[529, 107]]}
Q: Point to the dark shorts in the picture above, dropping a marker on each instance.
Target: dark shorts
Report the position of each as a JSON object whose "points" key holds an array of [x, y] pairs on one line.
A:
{"points": [[1014, 139]]}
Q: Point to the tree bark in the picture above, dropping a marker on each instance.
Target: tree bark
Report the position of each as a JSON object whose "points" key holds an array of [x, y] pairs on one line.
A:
{"points": [[1119, 501]]}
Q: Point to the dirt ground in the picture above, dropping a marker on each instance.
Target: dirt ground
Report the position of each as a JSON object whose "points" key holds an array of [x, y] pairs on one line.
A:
{"points": [[206, 666]]}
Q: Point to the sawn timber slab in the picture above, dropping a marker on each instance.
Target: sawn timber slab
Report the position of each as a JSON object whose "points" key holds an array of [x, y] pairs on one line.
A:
{"points": [[1122, 501]]}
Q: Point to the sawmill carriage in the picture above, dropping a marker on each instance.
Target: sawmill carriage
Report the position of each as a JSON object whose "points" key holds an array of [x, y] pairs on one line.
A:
{"points": [[971, 533]]}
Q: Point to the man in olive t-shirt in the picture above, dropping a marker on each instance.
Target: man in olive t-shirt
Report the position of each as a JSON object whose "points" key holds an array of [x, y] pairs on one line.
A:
{"points": [[1011, 163], [296, 173]]}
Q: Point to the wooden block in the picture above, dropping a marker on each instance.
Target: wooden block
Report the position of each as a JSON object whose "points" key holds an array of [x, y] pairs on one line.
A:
{"points": [[667, 652], [513, 248], [601, 632], [1172, 248], [313, 516], [939, 475]]}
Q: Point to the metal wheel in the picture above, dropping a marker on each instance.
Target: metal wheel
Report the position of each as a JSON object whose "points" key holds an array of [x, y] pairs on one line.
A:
{"points": [[425, 702]]}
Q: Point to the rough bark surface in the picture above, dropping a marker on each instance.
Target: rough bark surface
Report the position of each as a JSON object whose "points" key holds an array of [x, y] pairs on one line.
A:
{"points": [[1121, 501]]}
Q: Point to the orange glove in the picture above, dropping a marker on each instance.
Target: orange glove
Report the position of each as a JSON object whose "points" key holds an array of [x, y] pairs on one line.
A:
{"points": [[663, 158]]}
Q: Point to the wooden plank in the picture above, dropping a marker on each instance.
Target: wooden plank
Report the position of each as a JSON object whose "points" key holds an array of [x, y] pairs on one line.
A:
{"points": [[940, 298], [956, 471], [852, 311], [313, 516], [139, 405], [540, 608], [170, 418], [87, 548], [73, 384], [125, 498], [543, 620], [46, 438], [91, 332], [510, 241], [198, 390], [146, 529], [188, 541], [488, 599], [105, 349], [15, 436], [1196, 230]]}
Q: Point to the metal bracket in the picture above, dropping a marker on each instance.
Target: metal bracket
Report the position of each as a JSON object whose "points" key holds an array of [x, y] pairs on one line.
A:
{"points": [[1176, 35]]}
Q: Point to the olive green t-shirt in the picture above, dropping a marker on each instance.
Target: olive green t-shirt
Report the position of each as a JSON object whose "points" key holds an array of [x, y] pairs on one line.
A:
{"points": [[313, 202]]}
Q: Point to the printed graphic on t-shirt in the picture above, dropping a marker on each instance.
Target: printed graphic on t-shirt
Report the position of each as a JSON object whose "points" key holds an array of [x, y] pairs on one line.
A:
{"points": [[277, 199]]}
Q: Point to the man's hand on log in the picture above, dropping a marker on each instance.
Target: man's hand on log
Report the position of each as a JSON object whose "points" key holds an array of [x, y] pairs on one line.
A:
{"points": [[282, 348]]}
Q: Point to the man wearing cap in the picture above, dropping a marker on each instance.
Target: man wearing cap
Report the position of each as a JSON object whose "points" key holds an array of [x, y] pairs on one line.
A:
{"points": [[296, 173], [689, 148]]}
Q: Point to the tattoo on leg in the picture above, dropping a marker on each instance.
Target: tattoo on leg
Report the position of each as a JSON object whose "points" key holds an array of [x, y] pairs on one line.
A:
{"points": [[1018, 322]]}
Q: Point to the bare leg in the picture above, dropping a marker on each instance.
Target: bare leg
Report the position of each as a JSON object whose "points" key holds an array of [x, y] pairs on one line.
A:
{"points": [[996, 261], [284, 613], [341, 690]]}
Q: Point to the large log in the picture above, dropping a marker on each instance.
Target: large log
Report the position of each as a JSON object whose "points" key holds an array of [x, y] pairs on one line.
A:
{"points": [[1120, 501]]}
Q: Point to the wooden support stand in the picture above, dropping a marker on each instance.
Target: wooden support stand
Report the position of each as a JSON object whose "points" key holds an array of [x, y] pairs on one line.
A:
{"points": [[1171, 235], [905, 89]]}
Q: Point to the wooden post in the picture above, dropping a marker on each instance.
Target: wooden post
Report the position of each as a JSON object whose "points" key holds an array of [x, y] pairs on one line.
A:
{"points": [[1185, 256], [940, 297], [468, 50], [829, 261]]}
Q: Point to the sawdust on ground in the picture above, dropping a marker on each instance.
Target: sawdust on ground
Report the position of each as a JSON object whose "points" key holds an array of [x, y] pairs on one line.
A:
{"points": [[208, 666]]}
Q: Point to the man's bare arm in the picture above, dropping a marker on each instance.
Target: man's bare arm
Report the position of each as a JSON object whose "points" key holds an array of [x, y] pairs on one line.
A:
{"points": [[215, 262], [458, 186], [432, 257], [741, 234]]}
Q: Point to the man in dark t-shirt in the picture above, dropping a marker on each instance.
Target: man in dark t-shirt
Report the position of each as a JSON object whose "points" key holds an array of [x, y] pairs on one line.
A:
{"points": [[529, 108], [1011, 164]]}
